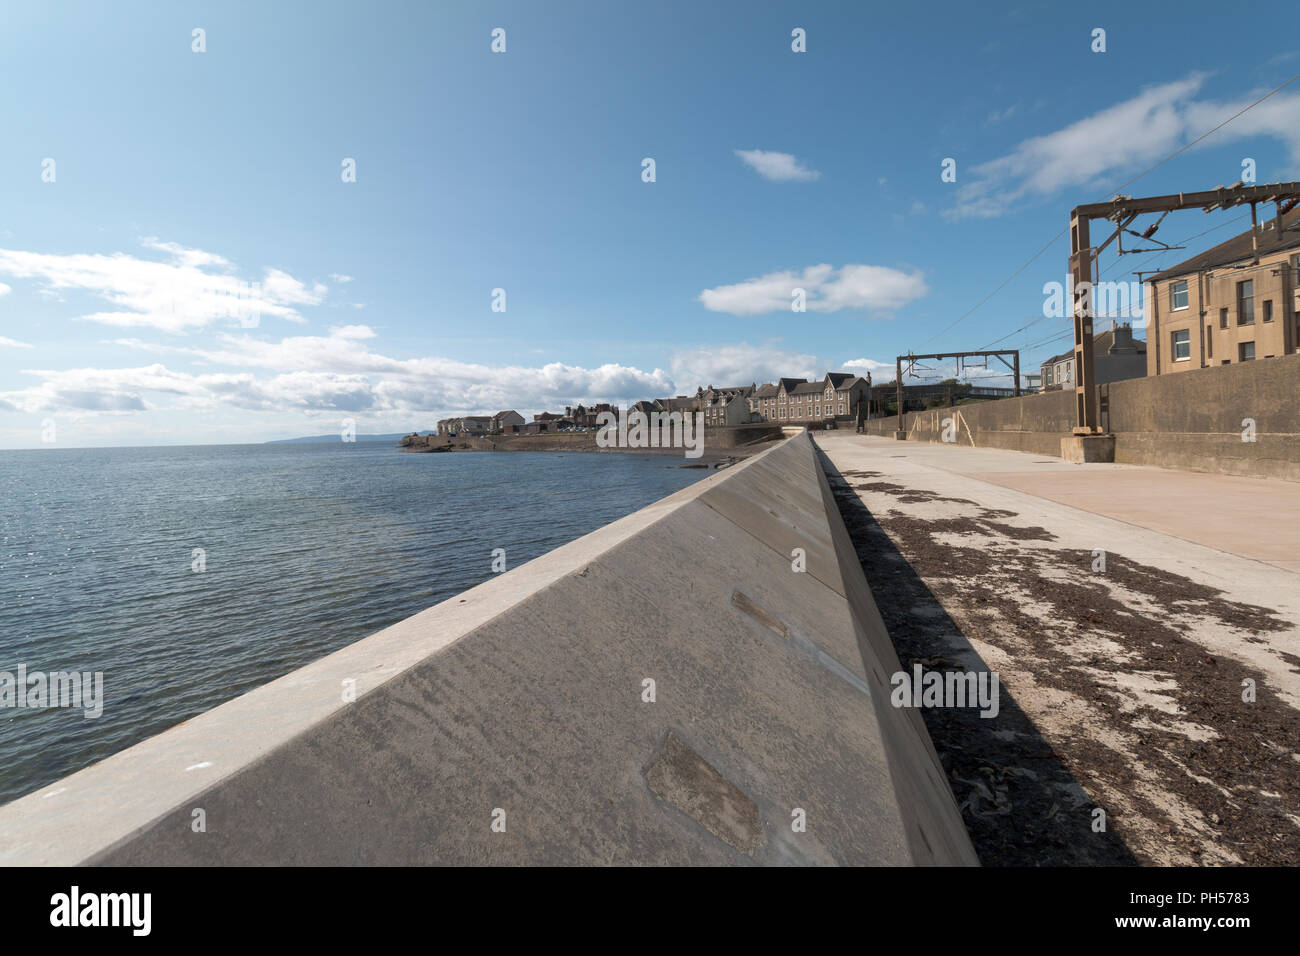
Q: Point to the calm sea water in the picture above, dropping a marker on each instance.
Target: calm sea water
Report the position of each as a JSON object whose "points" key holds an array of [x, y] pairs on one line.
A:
{"points": [[308, 547]]}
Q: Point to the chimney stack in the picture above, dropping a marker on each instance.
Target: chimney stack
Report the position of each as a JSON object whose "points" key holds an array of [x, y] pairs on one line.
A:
{"points": [[1123, 342]]}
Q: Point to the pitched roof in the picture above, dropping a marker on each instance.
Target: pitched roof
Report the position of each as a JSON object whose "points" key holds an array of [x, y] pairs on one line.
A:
{"points": [[679, 404], [789, 383], [766, 391], [1238, 248], [1060, 358], [1102, 343], [1105, 341]]}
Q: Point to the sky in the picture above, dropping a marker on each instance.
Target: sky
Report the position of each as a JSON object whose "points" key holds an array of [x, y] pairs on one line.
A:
{"points": [[314, 213]]}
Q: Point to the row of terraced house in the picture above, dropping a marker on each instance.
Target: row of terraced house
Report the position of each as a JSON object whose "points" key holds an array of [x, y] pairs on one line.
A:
{"points": [[840, 396]]}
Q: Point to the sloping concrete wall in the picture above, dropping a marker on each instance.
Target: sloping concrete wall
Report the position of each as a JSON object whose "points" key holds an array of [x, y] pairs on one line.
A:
{"points": [[523, 702]]}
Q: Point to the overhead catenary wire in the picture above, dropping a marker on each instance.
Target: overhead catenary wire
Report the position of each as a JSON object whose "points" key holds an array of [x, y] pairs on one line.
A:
{"points": [[1163, 252], [1103, 272], [1130, 182]]}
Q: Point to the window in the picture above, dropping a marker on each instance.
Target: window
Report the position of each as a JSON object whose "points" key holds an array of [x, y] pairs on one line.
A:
{"points": [[1266, 308], [1246, 302], [1181, 344], [1177, 295], [841, 408], [819, 411], [1223, 318], [1209, 344], [1246, 352]]}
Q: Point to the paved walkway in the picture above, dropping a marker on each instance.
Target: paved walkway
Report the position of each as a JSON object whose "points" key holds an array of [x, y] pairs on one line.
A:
{"points": [[1255, 518], [1131, 672]]}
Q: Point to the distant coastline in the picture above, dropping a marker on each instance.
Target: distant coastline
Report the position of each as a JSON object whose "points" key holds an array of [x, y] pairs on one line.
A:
{"points": [[334, 437]]}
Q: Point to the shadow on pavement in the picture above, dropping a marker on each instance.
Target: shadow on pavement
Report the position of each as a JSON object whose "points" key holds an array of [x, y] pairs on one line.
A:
{"points": [[1021, 804]]}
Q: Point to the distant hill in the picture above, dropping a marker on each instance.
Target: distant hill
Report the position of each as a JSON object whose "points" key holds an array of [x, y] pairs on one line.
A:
{"points": [[335, 437]]}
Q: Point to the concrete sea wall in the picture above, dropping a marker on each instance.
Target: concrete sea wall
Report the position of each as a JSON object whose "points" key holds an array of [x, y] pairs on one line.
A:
{"points": [[1031, 423], [1193, 420], [1196, 420], [513, 724]]}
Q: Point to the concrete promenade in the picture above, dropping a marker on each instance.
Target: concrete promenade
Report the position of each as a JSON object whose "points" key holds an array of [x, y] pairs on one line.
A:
{"points": [[1256, 518], [669, 689], [1130, 611]]}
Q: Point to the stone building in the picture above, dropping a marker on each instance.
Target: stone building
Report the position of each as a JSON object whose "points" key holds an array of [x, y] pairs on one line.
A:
{"points": [[798, 401], [1237, 302], [1117, 355], [507, 422], [725, 406]]}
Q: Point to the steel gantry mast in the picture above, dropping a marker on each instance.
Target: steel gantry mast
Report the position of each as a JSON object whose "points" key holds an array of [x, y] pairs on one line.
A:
{"points": [[1123, 210]]}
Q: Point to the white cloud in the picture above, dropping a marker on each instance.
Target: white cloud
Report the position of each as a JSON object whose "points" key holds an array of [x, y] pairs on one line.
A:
{"points": [[998, 116], [338, 373], [863, 366], [352, 332], [281, 287], [320, 378], [739, 364], [1122, 139], [340, 279], [876, 288], [4, 289], [778, 167], [330, 373], [195, 258], [13, 343], [173, 296]]}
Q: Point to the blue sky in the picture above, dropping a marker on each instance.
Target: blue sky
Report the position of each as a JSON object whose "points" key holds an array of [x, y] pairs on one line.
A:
{"points": [[179, 175]]}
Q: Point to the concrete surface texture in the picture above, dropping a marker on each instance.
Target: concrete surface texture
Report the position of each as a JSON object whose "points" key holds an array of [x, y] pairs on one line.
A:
{"points": [[1031, 423], [1255, 518], [1239, 419], [1130, 611], [517, 723]]}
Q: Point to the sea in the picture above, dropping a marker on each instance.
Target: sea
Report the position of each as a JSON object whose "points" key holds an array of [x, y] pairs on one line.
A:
{"points": [[186, 576]]}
